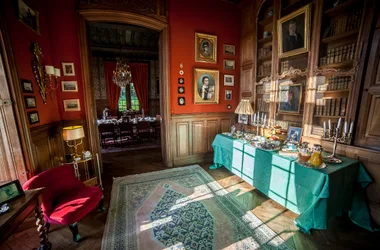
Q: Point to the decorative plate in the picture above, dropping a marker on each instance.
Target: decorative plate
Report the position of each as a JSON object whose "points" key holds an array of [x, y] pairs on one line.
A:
{"points": [[308, 165], [332, 160]]}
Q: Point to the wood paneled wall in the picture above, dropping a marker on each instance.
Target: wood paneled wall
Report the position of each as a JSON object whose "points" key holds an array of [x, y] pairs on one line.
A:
{"points": [[193, 134]]}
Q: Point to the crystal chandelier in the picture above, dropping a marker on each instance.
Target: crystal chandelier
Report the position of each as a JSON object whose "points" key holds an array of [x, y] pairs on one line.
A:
{"points": [[122, 75]]}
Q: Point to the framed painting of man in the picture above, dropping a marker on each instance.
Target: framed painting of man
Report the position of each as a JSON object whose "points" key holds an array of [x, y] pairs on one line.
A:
{"points": [[205, 48], [206, 86], [290, 98]]}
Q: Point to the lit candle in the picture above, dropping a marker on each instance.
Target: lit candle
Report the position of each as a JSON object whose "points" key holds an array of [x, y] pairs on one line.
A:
{"points": [[324, 127], [57, 72], [265, 119], [329, 124], [339, 121], [262, 116], [345, 127], [254, 118], [258, 116], [351, 127], [49, 70]]}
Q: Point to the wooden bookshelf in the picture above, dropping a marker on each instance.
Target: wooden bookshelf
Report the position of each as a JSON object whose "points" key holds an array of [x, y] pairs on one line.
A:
{"points": [[329, 116], [265, 58], [341, 36], [265, 40], [334, 91], [266, 21], [340, 8], [344, 64]]}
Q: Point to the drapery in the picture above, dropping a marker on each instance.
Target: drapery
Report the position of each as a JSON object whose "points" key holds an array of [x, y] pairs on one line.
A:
{"points": [[113, 91], [140, 78]]}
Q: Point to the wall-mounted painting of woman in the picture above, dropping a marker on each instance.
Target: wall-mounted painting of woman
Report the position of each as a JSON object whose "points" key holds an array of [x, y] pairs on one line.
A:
{"points": [[206, 86]]}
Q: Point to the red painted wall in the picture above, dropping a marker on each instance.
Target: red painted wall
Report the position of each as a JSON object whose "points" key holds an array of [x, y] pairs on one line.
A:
{"points": [[213, 17], [21, 37]]}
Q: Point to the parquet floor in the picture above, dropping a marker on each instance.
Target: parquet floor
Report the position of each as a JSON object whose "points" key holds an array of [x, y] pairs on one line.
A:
{"points": [[341, 234]]}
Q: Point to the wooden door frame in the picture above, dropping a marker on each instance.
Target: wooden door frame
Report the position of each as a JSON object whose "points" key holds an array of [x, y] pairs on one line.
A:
{"points": [[116, 16]]}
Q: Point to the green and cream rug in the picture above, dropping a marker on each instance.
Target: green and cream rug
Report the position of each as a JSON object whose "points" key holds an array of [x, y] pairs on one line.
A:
{"points": [[181, 208]]}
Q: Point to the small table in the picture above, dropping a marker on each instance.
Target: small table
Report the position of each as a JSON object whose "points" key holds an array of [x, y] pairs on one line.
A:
{"points": [[314, 194], [94, 181], [19, 210]]}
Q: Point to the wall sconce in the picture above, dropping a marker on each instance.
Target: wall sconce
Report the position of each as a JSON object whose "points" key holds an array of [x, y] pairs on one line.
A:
{"points": [[42, 74]]}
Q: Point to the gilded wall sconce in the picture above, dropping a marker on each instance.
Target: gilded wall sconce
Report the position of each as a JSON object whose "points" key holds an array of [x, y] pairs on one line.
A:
{"points": [[39, 70]]}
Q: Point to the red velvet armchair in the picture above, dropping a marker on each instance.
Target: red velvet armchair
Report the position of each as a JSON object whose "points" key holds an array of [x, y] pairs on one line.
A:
{"points": [[66, 200]]}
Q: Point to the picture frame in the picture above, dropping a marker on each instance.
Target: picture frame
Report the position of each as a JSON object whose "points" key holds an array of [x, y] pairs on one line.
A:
{"points": [[69, 86], [181, 101], [229, 106], [228, 95], [30, 102], [205, 48], [10, 191], [290, 96], [181, 90], [33, 117], [27, 86], [243, 119], [68, 69], [28, 16], [181, 81], [229, 80], [229, 49], [294, 32], [229, 64], [206, 86], [294, 134], [70, 105]]}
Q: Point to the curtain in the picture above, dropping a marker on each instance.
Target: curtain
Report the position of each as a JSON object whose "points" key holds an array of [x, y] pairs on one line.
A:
{"points": [[113, 91], [140, 79]]}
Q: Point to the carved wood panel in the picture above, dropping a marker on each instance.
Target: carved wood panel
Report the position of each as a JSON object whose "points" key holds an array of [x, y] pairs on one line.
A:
{"points": [[246, 83], [225, 125], [198, 137], [212, 131], [182, 133]]}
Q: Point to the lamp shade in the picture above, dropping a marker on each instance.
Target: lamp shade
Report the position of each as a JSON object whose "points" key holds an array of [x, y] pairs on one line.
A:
{"points": [[244, 107], [49, 70], [72, 133]]}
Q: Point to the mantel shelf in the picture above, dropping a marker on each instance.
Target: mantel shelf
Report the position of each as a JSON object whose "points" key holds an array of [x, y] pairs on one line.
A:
{"points": [[265, 40], [340, 8], [340, 36]]}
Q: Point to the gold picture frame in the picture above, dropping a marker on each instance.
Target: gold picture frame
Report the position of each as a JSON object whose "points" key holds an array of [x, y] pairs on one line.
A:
{"points": [[206, 86], [287, 98], [28, 16], [294, 41], [71, 105], [205, 48]]}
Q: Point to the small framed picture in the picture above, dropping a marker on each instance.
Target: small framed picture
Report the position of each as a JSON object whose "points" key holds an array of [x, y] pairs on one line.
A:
{"points": [[181, 81], [71, 105], [181, 101], [33, 117], [205, 48], [30, 102], [10, 191], [27, 86], [229, 64], [69, 86], [28, 16], [290, 98], [68, 69], [229, 49], [229, 80], [181, 90], [243, 119], [294, 134], [228, 95], [229, 106]]}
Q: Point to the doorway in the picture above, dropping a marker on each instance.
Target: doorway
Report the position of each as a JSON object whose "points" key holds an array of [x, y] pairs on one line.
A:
{"points": [[89, 16]]}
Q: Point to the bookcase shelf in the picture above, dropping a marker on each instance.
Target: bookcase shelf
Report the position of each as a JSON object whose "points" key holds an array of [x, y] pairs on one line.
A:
{"points": [[341, 36], [329, 116], [265, 40], [266, 21], [265, 58], [334, 91], [340, 8], [344, 64]]}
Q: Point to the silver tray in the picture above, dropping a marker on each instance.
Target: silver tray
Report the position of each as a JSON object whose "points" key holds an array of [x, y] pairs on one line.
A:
{"points": [[308, 165]]}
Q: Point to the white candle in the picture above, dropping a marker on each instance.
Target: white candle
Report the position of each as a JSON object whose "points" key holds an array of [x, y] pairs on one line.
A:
{"points": [[258, 116], [345, 127], [339, 121], [262, 116], [265, 119], [351, 127], [329, 125], [57, 72], [49, 70], [324, 127], [254, 118]]}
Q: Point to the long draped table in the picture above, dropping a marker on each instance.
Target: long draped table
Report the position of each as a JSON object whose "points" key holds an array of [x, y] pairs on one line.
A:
{"points": [[314, 194]]}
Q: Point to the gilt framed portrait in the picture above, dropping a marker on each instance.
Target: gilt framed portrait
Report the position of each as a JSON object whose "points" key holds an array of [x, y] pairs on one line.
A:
{"points": [[205, 48], [290, 98], [294, 32], [28, 16], [206, 86]]}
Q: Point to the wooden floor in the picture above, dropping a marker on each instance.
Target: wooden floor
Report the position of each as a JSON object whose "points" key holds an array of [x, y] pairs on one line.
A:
{"points": [[341, 234]]}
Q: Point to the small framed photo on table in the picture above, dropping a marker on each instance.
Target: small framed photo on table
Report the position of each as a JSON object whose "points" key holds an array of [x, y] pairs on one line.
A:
{"points": [[10, 191], [294, 134]]}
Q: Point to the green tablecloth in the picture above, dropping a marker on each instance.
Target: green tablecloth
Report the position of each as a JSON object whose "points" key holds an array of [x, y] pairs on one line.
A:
{"points": [[314, 194]]}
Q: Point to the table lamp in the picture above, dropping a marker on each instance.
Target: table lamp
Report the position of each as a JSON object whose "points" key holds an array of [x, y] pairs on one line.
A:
{"points": [[244, 107], [71, 135]]}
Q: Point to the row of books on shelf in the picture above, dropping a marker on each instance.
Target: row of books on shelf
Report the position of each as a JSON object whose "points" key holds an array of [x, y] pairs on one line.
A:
{"points": [[262, 105], [345, 23], [264, 51], [265, 69], [335, 83], [331, 107], [339, 54], [295, 63]]}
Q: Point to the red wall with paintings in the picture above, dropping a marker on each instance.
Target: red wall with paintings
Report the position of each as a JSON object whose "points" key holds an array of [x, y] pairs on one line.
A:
{"points": [[21, 38], [213, 17]]}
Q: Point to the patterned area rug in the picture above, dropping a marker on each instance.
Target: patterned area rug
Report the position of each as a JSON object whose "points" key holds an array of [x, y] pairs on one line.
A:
{"points": [[181, 208]]}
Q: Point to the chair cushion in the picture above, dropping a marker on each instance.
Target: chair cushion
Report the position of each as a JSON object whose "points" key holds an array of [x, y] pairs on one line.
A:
{"points": [[72, 207]]}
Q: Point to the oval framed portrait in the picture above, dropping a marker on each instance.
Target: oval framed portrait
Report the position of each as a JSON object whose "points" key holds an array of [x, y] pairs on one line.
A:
{"points": [[206, 86]]}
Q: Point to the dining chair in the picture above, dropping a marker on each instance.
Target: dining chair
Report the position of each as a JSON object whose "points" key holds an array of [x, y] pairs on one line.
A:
{"points": [[107, 131], [143, 130], [126, 131]]}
